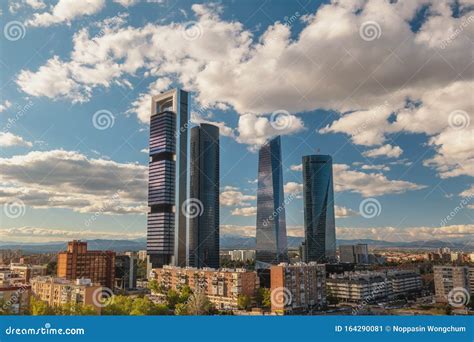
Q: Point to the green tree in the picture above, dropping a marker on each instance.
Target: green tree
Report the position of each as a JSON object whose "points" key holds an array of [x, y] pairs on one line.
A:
{"points": [[4, 308], [142, 306], [199, 304], [181, 309], [75, 309], [172, 298], [141, 269], [184, 294], [118, 305], [51, 268], [263, 298], [40, 308], [244, 302], [154, 286]]}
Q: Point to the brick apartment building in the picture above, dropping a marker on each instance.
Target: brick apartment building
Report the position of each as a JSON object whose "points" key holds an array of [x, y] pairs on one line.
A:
{"points": [[298, 287], [222, 286], [78, 262], [57, 291]]}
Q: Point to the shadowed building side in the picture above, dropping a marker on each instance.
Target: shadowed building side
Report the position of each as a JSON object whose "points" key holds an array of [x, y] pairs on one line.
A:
{"points": [[319, 220], [271, 241], [204, 187]]}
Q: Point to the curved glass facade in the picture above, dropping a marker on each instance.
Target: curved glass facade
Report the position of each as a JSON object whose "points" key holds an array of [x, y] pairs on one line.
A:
{"points": [[204, 186], [271, 246], [319, 221]]}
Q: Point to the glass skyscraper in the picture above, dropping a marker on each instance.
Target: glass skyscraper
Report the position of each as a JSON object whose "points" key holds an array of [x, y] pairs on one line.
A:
{"points": [[271, 245], [204, 187], [319, 221], [167, 224]]}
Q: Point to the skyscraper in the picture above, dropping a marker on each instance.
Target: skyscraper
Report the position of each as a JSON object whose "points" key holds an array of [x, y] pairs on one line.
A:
{"points": [[167, 189], [319, 221], [204, 189], [271, 245]]}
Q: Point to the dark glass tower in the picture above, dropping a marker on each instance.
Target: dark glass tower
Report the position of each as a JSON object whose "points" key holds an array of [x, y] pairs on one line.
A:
{"points": [[271, 224], [167, 224], [204, 186], [319, 222]]}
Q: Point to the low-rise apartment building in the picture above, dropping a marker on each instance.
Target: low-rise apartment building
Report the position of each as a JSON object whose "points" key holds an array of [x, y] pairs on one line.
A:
{"points": [[58, 291], [297, 287], [222, 286], [28, 271], [447, 278], [361, 286]]}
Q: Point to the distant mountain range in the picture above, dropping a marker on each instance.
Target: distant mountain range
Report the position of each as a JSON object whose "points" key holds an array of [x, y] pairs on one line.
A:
{"points": [[227, 242]]}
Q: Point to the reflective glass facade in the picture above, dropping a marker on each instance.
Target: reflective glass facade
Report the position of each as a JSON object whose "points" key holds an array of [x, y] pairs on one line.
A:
{"points": [[319, 221], [204, 186], [166, 227], [271, 245]]}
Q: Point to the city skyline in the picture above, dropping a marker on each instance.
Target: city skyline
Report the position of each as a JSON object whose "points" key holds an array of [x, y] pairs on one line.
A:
{"points": [[75, 119]]}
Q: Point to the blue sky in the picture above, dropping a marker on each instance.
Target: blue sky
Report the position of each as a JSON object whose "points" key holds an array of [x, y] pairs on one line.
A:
{"points": [[384, 87]]}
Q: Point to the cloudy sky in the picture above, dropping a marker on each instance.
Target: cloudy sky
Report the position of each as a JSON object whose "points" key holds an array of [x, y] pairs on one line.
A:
{"points": [[385, 87]]}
